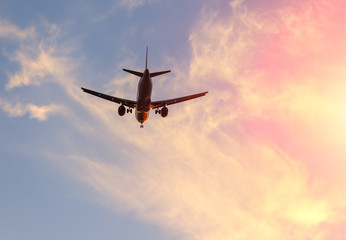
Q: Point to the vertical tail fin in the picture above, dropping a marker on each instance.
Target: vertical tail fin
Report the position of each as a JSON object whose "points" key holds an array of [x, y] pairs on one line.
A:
{"points": [[146, 60]]}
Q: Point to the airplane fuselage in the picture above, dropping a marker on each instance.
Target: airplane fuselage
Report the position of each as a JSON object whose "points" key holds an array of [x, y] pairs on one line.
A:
{"points": [[145, 86]]}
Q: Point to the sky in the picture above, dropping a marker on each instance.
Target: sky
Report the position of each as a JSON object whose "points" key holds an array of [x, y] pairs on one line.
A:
{"points": [[261, 156]]}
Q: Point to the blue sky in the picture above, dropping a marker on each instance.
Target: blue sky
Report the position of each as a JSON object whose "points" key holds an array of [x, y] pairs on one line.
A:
{"points": [[40, 200], [261, 156]]}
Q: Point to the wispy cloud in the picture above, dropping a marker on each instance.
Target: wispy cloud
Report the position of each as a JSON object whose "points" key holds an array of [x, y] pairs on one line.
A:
{"points": [[40, 62], [40, 113], [42, 66], [120, 5], [8, 30], [133, 3], [243, 164], [251, 160]]}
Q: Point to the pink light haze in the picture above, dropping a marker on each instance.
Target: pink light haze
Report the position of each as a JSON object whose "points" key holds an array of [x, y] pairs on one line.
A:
{"points": [[263, 155], [281, 76]]}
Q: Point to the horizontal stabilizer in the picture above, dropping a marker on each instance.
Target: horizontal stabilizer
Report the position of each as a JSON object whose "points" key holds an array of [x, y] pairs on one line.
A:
{"points": [[154, 74], [139, 74]]}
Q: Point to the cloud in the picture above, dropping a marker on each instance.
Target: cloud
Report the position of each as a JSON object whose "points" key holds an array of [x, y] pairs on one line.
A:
{"points": [[11, 31], [45, 67], [119, 5], [40, 61], [131, 4], [209, 196], [47, 62], [134, 3], [253, 159], [40, 113]]}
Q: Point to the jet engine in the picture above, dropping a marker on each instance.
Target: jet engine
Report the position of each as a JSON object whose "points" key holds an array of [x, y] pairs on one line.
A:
{"points": [[121, 110], [164, 112]]}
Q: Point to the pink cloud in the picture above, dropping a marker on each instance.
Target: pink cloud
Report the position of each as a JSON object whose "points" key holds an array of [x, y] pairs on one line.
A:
{"points": [[263, 155], [286, 91], [302, 90]]}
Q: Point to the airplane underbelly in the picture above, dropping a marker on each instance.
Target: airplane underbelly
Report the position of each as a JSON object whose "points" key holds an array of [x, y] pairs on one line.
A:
{"points": [[143, 106], [142, 116]]}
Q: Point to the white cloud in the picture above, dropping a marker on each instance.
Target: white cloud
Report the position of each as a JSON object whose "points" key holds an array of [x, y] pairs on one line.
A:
{"points": [[42, 66], [40, 113], [40, 61], [8, 30], [119, 5], [130, 4]]}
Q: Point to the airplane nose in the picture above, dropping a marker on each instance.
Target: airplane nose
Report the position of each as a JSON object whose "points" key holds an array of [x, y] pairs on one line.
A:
{"points": [[142, 116]]}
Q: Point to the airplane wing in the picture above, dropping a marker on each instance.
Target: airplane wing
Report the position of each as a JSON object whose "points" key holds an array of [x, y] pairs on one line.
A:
{"points": [[125, 102], [157, 104]]}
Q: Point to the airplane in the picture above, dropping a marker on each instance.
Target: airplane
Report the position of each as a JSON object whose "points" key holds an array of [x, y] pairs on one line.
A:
{"points": [[143, 105]]}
